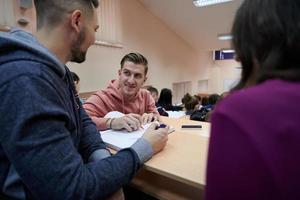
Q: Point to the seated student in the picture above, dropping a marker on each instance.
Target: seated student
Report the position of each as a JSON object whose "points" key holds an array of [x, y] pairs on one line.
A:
{"points": [[154, 93], [199, 99], [165, 100], [203, 114], [76, 80], [255, 136], [204, 102], [124, 95], [190, 103]]}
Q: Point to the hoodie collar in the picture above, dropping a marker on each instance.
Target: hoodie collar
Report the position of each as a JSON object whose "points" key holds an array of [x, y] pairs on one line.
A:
{"points": [[22, 40], [114, 88]]}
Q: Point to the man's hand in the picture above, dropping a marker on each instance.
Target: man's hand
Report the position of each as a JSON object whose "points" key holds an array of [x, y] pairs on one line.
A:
{"points": [[130, 122], [149, 117], [157, 138]]}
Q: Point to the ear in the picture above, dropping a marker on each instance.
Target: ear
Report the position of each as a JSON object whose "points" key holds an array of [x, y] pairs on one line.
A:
{"points": [[145, 79], [119, 72], [76, 20]]}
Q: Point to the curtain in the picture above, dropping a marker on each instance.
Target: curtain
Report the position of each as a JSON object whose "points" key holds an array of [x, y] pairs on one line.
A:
{"points": [[180, 89], [109, 17], [7, 17]]}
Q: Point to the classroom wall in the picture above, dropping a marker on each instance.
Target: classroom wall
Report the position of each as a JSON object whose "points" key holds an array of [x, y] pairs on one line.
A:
{"points": [[171, 59], [223, 75]]}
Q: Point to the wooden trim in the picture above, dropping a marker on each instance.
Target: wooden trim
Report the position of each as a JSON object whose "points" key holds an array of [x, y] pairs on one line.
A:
{"points": [[86, 95]]}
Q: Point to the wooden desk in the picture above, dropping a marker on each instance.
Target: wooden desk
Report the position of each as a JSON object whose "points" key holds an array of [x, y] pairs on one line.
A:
{"points": [[178, 172]]}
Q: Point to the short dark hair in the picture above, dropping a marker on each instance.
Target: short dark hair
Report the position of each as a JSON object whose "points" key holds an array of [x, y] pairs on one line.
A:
{"points": [[51, 12], [152, 90], [189, 102], [75, 77], [213, 99], [136, 58], [266, 34]]}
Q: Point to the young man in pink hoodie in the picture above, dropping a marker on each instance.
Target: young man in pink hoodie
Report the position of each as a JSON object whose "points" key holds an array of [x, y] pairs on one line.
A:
{"points": [[124, 95]]}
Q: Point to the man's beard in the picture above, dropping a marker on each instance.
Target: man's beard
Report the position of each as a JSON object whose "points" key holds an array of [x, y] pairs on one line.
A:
{"points": [[77, 55]]}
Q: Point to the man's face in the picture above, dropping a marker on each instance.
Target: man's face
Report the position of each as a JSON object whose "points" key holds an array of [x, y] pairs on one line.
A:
{"points": [[85, 38], [131, 77]]}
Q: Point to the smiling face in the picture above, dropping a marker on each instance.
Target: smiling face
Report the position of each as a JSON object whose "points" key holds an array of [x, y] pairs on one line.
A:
{"points": [[131, 78]]}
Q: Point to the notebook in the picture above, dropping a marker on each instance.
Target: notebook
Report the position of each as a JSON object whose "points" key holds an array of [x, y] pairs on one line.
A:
{"points": [[120, 139]]}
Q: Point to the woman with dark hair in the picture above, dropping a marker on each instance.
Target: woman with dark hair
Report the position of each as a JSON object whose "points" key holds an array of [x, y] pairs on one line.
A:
{"points": [[190, 103], [255, 136], [165, 100]]}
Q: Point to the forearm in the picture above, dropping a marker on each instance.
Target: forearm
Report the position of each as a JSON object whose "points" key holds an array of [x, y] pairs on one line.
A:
{"points": [[49, 163]]}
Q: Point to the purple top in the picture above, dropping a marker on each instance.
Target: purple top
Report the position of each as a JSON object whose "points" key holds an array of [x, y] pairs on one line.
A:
{"points": [[254, 150]]}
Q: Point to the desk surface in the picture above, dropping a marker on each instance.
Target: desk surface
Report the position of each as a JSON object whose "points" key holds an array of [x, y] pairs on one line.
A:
{"points": [[183, 160], [184, 157]]}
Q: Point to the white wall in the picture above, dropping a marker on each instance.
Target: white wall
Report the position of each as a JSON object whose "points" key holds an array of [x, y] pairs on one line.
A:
{"points": [[171, 59], [223, 72]]}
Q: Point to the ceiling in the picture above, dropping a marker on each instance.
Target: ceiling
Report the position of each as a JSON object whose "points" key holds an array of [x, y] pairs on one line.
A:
{"points": [[199, 27]]}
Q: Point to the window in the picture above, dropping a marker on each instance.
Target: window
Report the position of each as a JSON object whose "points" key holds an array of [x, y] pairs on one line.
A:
{"points": [[180, 89]]}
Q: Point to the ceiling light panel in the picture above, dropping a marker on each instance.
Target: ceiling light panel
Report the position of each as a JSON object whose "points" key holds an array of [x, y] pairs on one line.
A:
{"points": [[202, 3]]}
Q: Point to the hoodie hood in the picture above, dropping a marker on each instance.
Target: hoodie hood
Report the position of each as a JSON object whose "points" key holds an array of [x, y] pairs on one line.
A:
{"points": [[113, 89], [21, 45]]}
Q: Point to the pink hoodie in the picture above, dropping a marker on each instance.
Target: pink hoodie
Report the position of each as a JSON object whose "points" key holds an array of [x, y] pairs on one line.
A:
{"points": [[110, 99]]}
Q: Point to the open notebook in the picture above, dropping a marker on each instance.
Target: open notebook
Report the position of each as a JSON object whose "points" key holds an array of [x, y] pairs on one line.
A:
{"points": [[123, 139]]}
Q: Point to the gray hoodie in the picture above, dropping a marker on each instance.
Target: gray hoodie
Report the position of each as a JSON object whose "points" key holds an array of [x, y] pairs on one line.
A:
{"points": [[49, 147]]}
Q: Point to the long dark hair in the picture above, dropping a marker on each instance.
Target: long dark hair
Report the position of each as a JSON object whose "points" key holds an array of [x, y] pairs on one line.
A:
{"points": [[266, 34], [165, 98]]}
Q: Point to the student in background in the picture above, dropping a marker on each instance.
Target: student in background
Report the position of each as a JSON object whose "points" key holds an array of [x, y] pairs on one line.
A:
{"points": [[191, 103], [124, 95], [255, 136], [199, 99], [213, 99], [165, 100], [76, 80], [154, 93], [49, 147], [204, 113], [204, 101]]}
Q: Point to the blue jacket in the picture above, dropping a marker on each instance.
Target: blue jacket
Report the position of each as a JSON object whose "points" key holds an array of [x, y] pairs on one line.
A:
{"points": [[49, 147]]}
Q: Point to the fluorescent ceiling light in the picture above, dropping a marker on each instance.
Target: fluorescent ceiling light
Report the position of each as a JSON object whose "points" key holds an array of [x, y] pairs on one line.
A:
{"points": [[201, 3], [227, 51], [225, 37]]}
